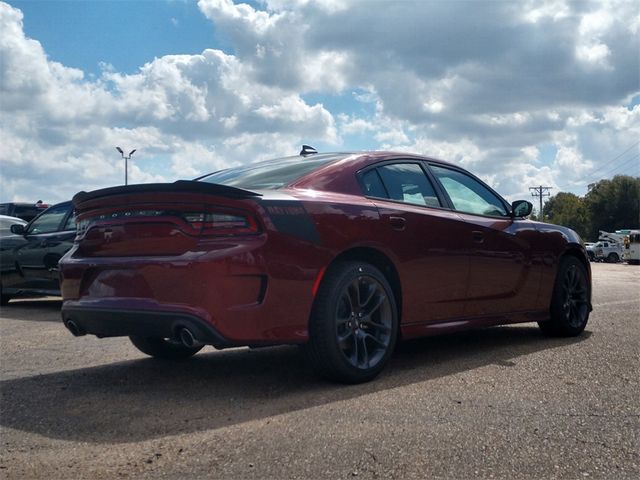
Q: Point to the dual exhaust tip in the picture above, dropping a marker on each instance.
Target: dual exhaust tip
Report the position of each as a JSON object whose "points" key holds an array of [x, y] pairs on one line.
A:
{"points": [[184, 334]]}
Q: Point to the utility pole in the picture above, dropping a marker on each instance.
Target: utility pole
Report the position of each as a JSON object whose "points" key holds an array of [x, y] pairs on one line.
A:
{"points": [[540, 192]]}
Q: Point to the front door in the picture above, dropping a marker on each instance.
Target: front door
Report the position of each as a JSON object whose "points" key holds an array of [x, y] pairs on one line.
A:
{"points": [[428, 240], [33, 258], [501, 275]]}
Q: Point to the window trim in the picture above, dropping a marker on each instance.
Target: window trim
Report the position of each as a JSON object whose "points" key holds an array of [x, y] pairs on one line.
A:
{"points": [[444, 201], [505, 204]]}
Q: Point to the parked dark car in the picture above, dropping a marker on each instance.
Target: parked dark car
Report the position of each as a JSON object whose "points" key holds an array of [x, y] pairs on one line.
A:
{"points": [[25, 211], [29, 258], [341, 253]]}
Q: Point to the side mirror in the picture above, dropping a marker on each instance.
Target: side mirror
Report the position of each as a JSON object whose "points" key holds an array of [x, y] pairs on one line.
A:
{"points": [[17, 229], [521, 208]]}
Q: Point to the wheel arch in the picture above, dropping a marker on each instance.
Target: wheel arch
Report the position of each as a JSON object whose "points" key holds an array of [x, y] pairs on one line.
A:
{"points": [[382, 262]]}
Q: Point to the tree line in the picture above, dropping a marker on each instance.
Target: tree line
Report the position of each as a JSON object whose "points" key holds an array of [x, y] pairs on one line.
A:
{"points": [[609, 205]]}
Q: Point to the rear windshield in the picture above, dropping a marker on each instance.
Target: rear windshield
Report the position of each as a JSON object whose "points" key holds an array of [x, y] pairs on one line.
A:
{"points": [[271, 174]]}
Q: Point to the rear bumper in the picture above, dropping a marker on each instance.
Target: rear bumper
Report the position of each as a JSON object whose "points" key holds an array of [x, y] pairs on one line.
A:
{"points": [[104, 322], [226, 285]]}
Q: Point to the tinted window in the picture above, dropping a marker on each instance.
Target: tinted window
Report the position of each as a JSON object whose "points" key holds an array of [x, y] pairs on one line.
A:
{"points": [[372, 184], [4, 209], [70, 224], [407, 182], [467, 194], [271, 174], [49, 221]]}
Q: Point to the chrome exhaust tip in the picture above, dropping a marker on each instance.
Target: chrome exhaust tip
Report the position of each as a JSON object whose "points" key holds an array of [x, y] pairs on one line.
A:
{"points": [[188, 340]]}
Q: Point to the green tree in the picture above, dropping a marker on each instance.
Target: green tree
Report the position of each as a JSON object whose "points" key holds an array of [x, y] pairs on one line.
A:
{"points": [[614, 204], [569, 210]]}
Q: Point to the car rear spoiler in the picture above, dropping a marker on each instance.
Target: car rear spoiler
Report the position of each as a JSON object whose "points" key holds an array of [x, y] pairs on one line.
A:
{"points": [[178, 186]]}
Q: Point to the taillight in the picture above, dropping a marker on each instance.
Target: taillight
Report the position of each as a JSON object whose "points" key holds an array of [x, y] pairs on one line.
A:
{"points": [[222, 223]]}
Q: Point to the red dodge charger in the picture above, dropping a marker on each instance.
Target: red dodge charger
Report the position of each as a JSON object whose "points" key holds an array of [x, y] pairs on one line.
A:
{"points": [[342, 253]]}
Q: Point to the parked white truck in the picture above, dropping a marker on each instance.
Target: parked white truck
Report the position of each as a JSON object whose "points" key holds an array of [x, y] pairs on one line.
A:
{"points": [[633, 248], [608, 248]]}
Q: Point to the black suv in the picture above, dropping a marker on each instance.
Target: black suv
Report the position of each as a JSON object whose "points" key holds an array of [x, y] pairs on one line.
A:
{"points": [[25, 211]]}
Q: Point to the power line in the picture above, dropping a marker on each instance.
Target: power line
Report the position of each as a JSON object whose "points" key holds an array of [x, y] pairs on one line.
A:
{"points": [[617, 167], [593, 174], [605, 164], [540, 192], [614, 171]]}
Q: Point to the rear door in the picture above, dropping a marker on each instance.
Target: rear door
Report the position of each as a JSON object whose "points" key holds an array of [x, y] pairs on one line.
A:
{"points": [[502, 278], [426, 237]]}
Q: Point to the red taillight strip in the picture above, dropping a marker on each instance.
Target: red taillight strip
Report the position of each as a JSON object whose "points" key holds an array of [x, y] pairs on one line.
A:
{"points": [[205, 223]]}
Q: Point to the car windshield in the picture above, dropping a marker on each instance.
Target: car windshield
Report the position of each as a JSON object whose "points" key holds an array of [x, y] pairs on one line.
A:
{"points": [[271, 174]]}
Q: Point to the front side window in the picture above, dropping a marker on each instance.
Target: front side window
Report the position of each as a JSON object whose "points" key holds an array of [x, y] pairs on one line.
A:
{"points": [[407, 182], [49, 221], [467, 194]]}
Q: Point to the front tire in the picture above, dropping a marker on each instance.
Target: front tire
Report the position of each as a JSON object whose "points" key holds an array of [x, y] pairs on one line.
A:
{"points": [[570, 302], [162, 348], [353, 325]]}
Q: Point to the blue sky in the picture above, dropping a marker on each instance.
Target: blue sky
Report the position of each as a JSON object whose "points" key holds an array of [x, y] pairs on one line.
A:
{"points": [[522, 93], [124, 34]]}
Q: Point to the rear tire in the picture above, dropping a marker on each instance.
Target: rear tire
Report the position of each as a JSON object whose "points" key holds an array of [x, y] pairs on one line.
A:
{"points": [[570, 300], [353, 325], [613, 258], [4, 299], [162, 348]]}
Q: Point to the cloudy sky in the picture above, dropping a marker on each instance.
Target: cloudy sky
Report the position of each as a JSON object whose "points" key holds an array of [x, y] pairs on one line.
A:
{"points": [[522, 93]]}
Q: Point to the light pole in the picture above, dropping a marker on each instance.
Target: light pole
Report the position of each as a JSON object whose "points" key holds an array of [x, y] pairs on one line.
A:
{"points": [[126, 163]]}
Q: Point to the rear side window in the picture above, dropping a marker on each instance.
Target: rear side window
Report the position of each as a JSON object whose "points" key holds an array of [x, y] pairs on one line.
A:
{"points": [[70, 224], [407, 182], [373, 186]]}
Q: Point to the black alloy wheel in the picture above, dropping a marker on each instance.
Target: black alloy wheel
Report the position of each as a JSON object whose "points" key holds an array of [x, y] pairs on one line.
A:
{"points": [[363, 322], [570, 303], [353, 325]]}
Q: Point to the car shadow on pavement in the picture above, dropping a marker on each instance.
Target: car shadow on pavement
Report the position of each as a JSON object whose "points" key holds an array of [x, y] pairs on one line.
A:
{"points": [[144, 399]]}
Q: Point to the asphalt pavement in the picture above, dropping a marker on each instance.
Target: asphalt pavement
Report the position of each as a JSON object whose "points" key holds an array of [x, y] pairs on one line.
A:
{"points": [[503, 402]]}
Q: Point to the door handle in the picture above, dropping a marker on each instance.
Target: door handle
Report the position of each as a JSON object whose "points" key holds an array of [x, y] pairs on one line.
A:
{"points": [[398, 223], [478, 237]]}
